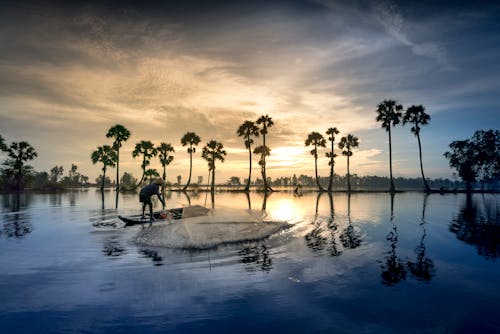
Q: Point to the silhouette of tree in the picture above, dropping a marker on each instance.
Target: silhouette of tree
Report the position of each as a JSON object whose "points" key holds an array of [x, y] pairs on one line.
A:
{"points": [[148, 151], [263, 150], [487, 147], [191, 139], [164, 151], [56, 173], [213, 151], [150, 174], [18, 154], [331, 132], [3, 146], [246, 130], [389, 114], [346, 144], [120, 134], [107, 156], [463, 157], [316, 139], [417, 116]]}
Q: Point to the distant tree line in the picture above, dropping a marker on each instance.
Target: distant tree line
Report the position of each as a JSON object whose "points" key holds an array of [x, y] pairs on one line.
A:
{"points": [[475, 160]]}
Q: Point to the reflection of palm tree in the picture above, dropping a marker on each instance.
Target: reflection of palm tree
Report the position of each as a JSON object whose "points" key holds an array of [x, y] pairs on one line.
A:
{"points": [[247, 129], [107, 156], [316, 139], [423, 268], [389, 114], [120, 134], [263, 150], [349, 237], [187, 197], [417, 116], [249, 201], [258, 255], [16, 225], [331, 132], [191, 139], [332, 226], [264, 201], [113, 248], [346, 144], [148, 150], [3, 146], [393, 270], [213, 151]]}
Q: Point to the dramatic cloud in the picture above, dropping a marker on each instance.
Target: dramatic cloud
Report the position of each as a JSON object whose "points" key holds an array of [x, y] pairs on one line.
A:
{"points": [[69, 72]]}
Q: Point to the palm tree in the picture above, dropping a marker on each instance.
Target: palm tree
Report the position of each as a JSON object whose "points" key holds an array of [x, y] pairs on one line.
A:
{"points": [[120, 134], [346, 144], [389, 114], [164, 151], [247, 129], [150, 174], [316, 139], [191, 139], [331, 132], [213, 151], [107, 156], [417, 116], [148, 150], [19, 153], [266, 122]]}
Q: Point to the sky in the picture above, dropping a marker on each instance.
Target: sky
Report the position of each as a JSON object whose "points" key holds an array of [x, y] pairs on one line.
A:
{"points": [[71, 70]]}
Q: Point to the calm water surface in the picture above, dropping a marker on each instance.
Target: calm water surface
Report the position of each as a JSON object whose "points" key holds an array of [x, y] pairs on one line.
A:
{"points": [[365, 263]]}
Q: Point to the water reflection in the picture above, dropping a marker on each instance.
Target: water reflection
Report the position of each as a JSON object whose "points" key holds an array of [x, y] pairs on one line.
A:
{"points": [[478, 224], [113, 248], [153, 254], [16, 222], [422, 268], [349, 237], [393, 268], [256, 257], [323, 236]]}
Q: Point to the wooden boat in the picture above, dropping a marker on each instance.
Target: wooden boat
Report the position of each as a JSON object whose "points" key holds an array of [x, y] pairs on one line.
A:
{"points": [[170, 214]]}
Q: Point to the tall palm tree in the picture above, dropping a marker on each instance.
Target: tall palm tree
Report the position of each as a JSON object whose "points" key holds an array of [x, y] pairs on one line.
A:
{"points": [[107, 156], [266, 123], [19, 153], [417, 116], [346, 144], [164, 151], [316, 139], [247, 129], [213, 151], [191, 139], [120, 134], [331, 132], [389, 114], [148, 150]]}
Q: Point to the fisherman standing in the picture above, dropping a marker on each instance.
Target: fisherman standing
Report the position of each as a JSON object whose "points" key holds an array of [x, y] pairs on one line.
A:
{"points": [[145, 196]]}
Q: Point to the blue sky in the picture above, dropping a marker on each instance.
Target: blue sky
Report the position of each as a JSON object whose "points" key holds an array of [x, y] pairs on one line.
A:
{"points": [[70, 72]]}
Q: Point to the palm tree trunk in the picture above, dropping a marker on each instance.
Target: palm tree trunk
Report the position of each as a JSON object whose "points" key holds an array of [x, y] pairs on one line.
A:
{"points": [[117, 169], [427, 189], [143, 170], [247, 187], [267, 187], [103, 178], [316, 172], [348, 176], [330, 182], [190, 168], [213, 180], [392, 188]]}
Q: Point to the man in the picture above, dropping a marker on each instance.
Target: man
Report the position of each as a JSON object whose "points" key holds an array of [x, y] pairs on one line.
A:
{"points": [[145, 196]]}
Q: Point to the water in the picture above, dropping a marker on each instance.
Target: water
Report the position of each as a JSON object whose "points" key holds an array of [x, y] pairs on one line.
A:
{"points": [[358, 264]]}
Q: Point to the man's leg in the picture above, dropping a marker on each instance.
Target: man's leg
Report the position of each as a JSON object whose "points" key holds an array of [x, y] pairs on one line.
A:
{"points": [[150, 211], [143, 209]]}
